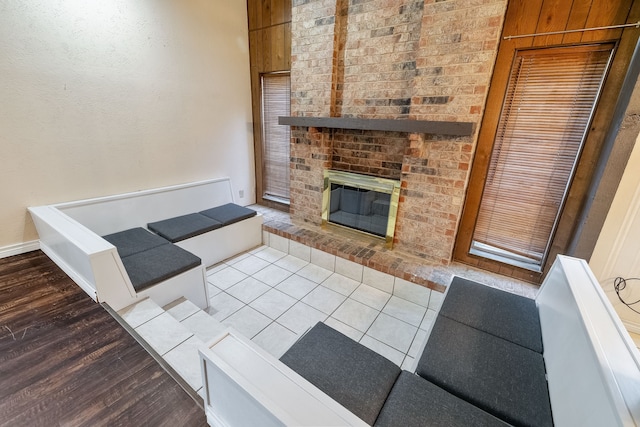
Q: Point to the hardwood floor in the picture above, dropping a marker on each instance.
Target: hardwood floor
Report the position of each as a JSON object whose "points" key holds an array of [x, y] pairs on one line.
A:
{"points": [[65, 361]]}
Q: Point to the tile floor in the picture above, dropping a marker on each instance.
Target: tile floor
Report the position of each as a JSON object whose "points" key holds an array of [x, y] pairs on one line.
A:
{"points": [[274, 293]]}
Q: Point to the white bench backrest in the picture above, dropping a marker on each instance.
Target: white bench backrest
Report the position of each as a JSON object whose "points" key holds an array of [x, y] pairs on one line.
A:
{"points": [[105, 215], [593, 366]]}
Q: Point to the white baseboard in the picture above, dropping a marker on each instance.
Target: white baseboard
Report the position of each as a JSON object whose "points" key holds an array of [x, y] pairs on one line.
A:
{"points": [[19, 248]]}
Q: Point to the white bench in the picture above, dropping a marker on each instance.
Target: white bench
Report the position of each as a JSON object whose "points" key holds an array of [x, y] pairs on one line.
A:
{"points": [[593, 367], [70, 235]]}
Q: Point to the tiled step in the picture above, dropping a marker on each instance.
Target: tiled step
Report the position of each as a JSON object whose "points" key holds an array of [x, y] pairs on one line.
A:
{"points": [[175, 332]]}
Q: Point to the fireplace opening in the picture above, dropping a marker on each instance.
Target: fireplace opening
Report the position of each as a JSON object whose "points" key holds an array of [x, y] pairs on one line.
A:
{"points": [[361, 202]]}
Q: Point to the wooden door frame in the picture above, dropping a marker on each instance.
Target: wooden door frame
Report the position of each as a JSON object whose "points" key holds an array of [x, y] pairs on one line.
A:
{"points": [[515, 24]]}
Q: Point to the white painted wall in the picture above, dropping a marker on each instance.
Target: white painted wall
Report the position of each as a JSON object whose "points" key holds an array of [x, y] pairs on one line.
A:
{"points": [[101, 97], [617, 252]]}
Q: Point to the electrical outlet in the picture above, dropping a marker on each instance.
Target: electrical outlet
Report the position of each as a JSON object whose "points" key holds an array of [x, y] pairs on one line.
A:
{"points": [[241, 194]]}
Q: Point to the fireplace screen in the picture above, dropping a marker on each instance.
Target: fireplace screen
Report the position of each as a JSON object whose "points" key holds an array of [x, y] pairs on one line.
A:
{"points": [[360, 202]]}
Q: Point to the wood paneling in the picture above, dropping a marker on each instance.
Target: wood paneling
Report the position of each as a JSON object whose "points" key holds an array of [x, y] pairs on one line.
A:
{"points": [[533, 16], [270, 51], [65, 361]]}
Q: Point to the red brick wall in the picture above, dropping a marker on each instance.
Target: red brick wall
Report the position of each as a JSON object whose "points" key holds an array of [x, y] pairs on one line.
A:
{"points": [[396, 59], [368, 152]]}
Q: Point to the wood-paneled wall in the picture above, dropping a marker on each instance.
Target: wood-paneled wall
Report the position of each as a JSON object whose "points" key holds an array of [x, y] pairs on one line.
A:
{"points": [[270, 51]]}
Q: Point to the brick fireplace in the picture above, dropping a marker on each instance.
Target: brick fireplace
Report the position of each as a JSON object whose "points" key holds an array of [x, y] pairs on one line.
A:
{"points": [[401, 60]]}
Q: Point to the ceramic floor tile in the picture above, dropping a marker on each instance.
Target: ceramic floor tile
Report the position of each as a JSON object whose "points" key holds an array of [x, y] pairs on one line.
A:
{"points": [[272, 275], [163, 333], [291, 263], [140, 312], [181, 309], [203, 325], [436, 300], [296, 286], [273, 303], [371, 296], [235, 259], [411, 292], [301, 317], [314, 273], [278, 242], [275, 339], [342, 284], [382, 349], [300, 251], [349, 269], [429, 318], [323, 259], [378, 279], [250, 265], [248, 290], [356, 314], [352, 333], [214, 269], [393, 332], [258, 249], [186, 361], [324, 299], [270, 254], [226, 278], [418, 342], [404, 310], [408, 364], [247, 321], [223, 305], [213, 290]]}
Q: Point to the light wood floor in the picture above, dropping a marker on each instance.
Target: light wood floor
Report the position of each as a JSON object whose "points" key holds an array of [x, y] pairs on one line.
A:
{"points": [[65, 361]]}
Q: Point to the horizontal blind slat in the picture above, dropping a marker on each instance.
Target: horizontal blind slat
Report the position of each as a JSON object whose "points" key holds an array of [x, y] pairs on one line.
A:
{"points": [[548, 105], [275, 138]]}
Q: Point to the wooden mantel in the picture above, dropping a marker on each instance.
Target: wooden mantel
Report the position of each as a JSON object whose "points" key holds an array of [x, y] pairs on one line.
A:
{"points": [[391, 125]]}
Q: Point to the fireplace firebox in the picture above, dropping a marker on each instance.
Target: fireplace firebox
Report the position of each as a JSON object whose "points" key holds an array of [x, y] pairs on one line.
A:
{"points": [[360, 202]]}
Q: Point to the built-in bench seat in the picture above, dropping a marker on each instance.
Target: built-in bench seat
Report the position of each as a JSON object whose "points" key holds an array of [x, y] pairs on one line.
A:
{"points": [[183, 227], [374, 388], [500, 377], [473, 370], [496, 312], [122, 268], [153, 258], [485, 348], [150, 259]]}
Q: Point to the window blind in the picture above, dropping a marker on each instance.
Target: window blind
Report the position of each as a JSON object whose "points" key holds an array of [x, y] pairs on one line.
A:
{"points": [[548, 106], [276, 94]]}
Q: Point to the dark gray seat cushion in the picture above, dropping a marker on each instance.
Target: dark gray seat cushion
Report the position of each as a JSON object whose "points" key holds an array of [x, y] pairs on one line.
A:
{"points": [[158, 264], [229, 213], [183, 227], [512, 317], [354, 376], [134, 240], [496, 375], [415, 402]]}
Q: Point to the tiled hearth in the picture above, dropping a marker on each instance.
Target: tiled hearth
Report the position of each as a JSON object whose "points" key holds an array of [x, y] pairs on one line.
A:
{"points": [[370, 252]]}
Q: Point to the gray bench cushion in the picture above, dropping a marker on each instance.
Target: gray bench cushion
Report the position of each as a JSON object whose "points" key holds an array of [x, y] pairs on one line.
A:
{"points": [[183, 227], [500, 377], [158, 264], [134, 240], [356, 377], [505, 315], [415, 402], [229, 213]]}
